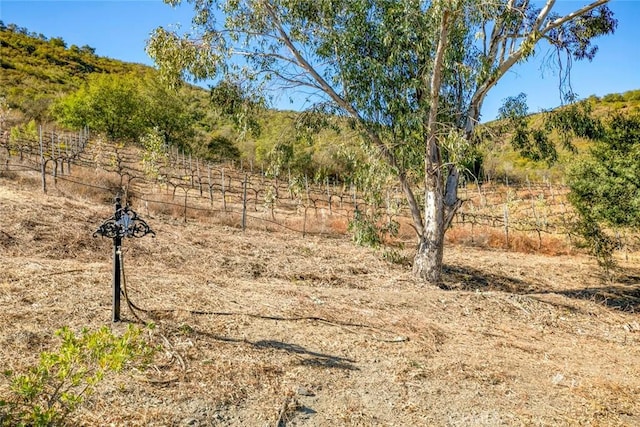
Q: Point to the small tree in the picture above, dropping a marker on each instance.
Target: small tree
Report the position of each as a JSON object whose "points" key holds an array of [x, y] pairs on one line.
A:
{"points": [[110, 104], [220, 148], [23, 138], [165, 110], [155, 158]]}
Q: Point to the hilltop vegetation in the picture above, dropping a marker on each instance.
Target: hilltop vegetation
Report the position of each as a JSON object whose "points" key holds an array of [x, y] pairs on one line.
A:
{"points": [[628, 102], [37, 69], [45, 80], [503, 161]]}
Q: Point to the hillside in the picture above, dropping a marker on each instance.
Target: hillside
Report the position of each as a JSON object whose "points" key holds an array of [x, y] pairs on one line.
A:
{"points": [[36, 69], [261, 328], [503, 163]]}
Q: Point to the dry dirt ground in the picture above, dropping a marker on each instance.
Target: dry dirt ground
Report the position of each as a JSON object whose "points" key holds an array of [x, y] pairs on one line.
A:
{"points": [[317, 332]]}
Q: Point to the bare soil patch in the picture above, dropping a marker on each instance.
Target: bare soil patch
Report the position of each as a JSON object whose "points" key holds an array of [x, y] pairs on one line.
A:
{"points": [[271, 329]]}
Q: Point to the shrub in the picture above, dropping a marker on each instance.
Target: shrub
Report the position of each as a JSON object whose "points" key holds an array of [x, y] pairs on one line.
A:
{"points": [[604, 186], [367, 231], [62, 379], [613, 97]]}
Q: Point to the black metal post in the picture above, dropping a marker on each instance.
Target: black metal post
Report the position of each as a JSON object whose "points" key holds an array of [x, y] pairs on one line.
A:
{"points": [[117, 243], [124, 223]]}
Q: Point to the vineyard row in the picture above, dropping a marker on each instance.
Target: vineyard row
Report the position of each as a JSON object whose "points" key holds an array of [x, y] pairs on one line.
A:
{"points": [[180, 183]]}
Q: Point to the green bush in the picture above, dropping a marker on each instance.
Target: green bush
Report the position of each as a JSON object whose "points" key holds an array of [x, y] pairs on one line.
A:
{"points": [[366, 230], [59, 383], [613, 97], [605, 186]]}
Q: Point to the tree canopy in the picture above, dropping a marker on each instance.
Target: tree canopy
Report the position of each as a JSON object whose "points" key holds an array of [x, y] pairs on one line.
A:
{"points": [[109, 104], [605, 186], [126, 107]]}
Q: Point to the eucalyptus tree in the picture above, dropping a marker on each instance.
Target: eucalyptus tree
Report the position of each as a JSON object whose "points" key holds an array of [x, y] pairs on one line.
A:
{"points": [[411, 74]]}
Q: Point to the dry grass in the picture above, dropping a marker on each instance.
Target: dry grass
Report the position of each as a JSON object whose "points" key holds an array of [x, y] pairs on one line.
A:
{"points": [[316, 332], [494, 238]]}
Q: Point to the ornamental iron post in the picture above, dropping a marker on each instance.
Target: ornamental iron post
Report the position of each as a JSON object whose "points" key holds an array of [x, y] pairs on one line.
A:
{"points": [[124, 223]]}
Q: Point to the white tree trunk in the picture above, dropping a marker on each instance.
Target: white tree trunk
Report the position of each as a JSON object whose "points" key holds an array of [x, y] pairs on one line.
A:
{"points": [[427, 264]]}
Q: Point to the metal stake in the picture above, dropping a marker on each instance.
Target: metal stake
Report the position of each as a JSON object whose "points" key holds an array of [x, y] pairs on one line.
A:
{"points": [[117, 274]]}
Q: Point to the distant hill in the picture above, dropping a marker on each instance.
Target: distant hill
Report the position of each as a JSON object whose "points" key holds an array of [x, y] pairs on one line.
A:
{"points": [[35, 69], [625, 102], [503, 163]]}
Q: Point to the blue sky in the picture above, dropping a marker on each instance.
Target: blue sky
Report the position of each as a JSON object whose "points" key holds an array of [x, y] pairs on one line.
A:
{"points": [[119, 29]]}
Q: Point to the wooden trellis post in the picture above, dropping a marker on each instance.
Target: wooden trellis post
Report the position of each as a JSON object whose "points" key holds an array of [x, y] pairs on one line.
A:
{"points": [[506, 224], [244, 203], [224, 198]]}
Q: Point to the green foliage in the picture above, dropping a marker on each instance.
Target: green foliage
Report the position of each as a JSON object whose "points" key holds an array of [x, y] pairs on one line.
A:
{"points": [[513, 108], [288, 146], [108, 103], [154, 156], [534, 142], [463, 154], [607, 183], [173, 113], [632, 95], [576, 37], [600, 244], [25, 131], [573, 121], [241, 104], [126, 107], [613, 97], [180, 57], [62, 379], [605, 186], [4, 111], [364, 230], [36, 70], [531, 143], [221, 148], [280, 156], [22, 137], [367, 231]]}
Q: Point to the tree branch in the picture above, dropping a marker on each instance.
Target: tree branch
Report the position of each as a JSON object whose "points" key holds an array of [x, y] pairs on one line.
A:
{"points": [[505, 65], [328, 89]]}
